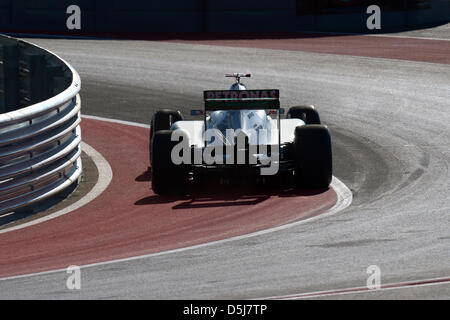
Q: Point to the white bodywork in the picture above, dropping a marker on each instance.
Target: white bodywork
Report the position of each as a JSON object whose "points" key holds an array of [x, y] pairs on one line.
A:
{"points": [[259, 127], [195, 129]]}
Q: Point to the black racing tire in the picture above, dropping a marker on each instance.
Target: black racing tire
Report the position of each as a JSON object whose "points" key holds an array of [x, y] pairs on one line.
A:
{"points": [[162, 120], [308, 114], [167, 177], [313, 157]]}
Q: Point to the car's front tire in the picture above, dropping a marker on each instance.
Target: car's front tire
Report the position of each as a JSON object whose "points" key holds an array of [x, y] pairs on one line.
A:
{"points": [[313, 157]]}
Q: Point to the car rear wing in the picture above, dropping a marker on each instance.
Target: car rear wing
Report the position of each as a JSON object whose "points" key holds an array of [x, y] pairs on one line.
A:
{"points": [[242, 99]]}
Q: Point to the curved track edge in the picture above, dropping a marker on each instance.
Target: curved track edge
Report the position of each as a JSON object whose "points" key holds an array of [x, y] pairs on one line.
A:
{"points": [[104, 179], [344, 200]]}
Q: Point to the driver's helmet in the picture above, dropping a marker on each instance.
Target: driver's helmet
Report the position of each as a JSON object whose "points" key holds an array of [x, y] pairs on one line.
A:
{"points": [[223, 120], [238, 86]]}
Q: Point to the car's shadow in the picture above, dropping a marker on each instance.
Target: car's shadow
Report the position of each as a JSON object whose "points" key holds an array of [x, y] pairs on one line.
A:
{"points": [[145, 176], [214, 194]]}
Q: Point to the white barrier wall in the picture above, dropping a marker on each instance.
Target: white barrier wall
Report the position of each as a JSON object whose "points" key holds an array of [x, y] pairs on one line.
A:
{"points": [[40, 134]]}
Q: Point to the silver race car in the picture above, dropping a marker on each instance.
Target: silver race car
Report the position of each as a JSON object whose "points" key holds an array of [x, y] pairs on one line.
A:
{"points": [[241, 136]]}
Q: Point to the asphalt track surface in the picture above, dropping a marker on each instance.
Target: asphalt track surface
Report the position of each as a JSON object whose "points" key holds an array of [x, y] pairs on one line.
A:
{"points": [[390, 125]]}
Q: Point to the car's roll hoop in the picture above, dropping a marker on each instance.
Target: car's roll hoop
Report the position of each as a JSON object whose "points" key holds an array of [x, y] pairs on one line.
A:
{"points": [[238, 76]]}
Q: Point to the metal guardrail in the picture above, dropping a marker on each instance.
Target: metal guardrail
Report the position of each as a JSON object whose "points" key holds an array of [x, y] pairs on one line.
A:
{"points": [[40, 132]]}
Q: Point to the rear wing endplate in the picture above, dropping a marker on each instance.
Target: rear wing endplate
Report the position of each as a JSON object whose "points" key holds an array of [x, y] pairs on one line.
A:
{"points": [[241, 99]]}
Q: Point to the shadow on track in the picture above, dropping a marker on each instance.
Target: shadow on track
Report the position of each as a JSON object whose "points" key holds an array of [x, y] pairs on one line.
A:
{"points": [[235, 193], [144, 177]]}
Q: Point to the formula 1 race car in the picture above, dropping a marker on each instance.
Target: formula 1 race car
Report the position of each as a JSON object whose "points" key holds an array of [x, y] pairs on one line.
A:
{"points": [[241, 135]]}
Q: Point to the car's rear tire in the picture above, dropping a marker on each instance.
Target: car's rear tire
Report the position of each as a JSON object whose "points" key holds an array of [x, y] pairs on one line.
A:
{"points": [[313, 157], [308, 114], [162, 120], [167, 177]]}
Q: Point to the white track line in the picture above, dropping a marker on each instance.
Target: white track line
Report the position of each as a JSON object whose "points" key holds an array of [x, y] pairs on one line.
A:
{"points": [[406, 37], [344, 199], [385, 35], [359, 290], [394, 35], [104, 179]]}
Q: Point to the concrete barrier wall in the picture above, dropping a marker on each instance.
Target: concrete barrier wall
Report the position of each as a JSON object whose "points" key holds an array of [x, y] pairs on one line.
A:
{"points": [[135, 16], [149, 16], [438, 11], [99, 16], [251, 16]]}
